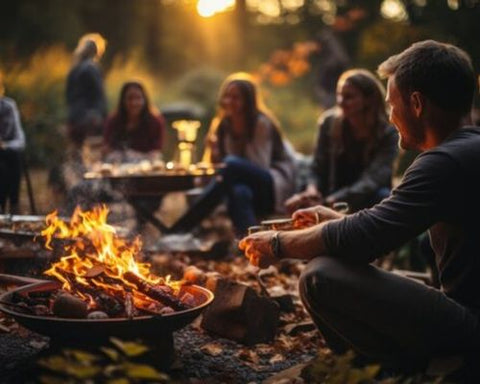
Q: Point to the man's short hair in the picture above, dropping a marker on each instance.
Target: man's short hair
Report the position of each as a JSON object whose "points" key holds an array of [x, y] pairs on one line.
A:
{"points": [[442, 72]]}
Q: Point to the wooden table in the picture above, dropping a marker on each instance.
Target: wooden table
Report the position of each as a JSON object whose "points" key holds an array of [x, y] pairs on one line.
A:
{"points": [[134, 187]]}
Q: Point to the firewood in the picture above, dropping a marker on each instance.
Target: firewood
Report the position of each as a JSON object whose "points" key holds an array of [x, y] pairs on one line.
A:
{"points": [[155, 293], [69, 306]]}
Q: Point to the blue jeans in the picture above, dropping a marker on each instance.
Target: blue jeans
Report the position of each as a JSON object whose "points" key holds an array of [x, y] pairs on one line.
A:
{"points": [[249, 193]]}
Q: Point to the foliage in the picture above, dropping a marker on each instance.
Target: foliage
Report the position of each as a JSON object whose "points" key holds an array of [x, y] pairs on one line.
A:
{"points": [[114, 364], [185, 61], [38, 89]]}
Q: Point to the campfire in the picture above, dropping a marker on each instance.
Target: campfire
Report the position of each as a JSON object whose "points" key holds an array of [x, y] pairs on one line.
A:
{"points": [[100, 276]]}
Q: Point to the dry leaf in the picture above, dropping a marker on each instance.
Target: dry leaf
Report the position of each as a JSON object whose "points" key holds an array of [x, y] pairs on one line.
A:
{"points": [[212, 349], [277, 358]]}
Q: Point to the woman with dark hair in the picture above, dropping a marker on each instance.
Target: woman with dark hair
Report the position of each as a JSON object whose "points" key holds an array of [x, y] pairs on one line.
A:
{"points": [[135, 126], [135, 132], [356, 147], [259, 173]]}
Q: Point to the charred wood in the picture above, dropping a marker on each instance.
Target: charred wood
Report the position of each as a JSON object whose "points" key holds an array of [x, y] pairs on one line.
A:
{"points": [[156, 293]]}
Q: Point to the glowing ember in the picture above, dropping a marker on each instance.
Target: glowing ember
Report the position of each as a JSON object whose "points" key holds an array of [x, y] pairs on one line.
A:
{"points": [[97, 260]]}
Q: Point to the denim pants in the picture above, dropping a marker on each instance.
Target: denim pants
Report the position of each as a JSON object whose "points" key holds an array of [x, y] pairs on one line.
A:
{"points": [[385, 317], [249, 192]]}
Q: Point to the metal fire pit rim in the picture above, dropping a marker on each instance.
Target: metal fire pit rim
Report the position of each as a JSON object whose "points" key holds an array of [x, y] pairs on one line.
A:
{"points": [[209, 294]]}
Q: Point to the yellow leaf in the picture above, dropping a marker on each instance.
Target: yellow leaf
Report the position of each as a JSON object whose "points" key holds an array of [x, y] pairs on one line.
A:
{"points": [[129, 348], [118, 381], [143, 371], [111, 353], [81, 356], [82, 372]]}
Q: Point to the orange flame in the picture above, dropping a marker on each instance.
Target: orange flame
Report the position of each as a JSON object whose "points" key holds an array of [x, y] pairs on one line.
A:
{"points": [[95, 256]]}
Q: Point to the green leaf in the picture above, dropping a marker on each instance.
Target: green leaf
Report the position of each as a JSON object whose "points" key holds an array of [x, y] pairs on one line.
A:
{"points": [[143, 371], [129, 348]]}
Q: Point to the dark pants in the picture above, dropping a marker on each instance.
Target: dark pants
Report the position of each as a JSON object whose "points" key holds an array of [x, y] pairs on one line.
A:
{"points": [[10, 177], [248, 188], [385, 317]]}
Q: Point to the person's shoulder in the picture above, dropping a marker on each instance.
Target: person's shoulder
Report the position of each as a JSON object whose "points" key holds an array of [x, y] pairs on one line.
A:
{"points": [[157, 120], [265, 121], [8, 102], [327, 116]]}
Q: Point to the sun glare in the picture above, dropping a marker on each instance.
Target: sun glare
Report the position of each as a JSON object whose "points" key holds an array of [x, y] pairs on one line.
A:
{"points": [[207, 8]]}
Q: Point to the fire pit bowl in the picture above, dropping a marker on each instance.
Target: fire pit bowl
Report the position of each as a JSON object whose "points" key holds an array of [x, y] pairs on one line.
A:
{"points": [[149, 327]]}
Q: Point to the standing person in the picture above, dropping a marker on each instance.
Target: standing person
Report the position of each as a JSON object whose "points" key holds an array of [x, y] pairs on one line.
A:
{"points": [[259, 172], [135, 131], [355, 150], [383, 316], [85, 94], [12, 144]]}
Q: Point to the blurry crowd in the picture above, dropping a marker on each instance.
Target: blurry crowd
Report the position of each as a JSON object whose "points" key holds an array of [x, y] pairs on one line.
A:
{"points": [[352, 161]]}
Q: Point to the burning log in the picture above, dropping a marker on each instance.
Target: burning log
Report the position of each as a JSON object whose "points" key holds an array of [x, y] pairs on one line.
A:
{"points": [[155, 293]]}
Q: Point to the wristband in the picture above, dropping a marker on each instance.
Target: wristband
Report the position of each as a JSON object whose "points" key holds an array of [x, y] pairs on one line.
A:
{"points": [[275, 246]]}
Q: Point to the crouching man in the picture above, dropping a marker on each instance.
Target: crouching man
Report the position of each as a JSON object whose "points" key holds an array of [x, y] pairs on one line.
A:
{"points": [[380, 315]]}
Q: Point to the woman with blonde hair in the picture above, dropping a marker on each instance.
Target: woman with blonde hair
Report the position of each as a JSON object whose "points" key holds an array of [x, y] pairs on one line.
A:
{"points": [[355, 149], [259, 173]]}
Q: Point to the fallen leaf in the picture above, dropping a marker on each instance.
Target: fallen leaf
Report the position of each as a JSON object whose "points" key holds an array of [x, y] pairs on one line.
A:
{"points": [[212, 349], [143, 371], [276, 359], [129, 348]]}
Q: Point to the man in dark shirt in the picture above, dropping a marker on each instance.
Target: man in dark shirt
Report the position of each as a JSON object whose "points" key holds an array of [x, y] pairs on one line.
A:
{"points": [[383, 316]]}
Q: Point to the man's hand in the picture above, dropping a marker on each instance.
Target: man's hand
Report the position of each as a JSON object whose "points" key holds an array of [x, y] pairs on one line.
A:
{"points": [[257, 248], [304, 199], [315, 215]]}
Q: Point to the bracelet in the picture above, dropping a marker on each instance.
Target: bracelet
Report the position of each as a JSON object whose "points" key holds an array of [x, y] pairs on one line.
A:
{"points": [[275, 245]]}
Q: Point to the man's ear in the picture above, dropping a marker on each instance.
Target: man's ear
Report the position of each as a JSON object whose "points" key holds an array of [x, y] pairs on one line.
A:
{"points": [[417, 102]]}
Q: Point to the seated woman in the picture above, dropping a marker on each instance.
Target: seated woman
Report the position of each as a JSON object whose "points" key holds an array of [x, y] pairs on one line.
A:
{"points": [[355, 148], [259, 172], [134, 132]]}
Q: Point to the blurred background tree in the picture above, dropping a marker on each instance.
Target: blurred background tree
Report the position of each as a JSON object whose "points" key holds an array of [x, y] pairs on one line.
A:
{"points": [[182, 50]]}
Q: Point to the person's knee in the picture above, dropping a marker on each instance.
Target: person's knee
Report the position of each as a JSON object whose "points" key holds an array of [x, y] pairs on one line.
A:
{"points": [[317, 282], [242, 192]]}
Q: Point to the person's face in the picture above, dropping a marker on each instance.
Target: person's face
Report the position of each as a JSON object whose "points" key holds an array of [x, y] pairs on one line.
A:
{"points": [[403, 118], [134, 101], [232, 101], [351, 100]]}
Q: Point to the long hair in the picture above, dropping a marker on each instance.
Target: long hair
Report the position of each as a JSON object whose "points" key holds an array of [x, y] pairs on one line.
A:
{"points": [[252, 100], [121, 114], [254, 107], [371, 89], [375, 112]]}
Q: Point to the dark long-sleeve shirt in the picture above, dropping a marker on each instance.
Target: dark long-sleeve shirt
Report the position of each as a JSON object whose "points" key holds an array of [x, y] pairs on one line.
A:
{"points": [[352, 170], [85, 94], [440, 192]]}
